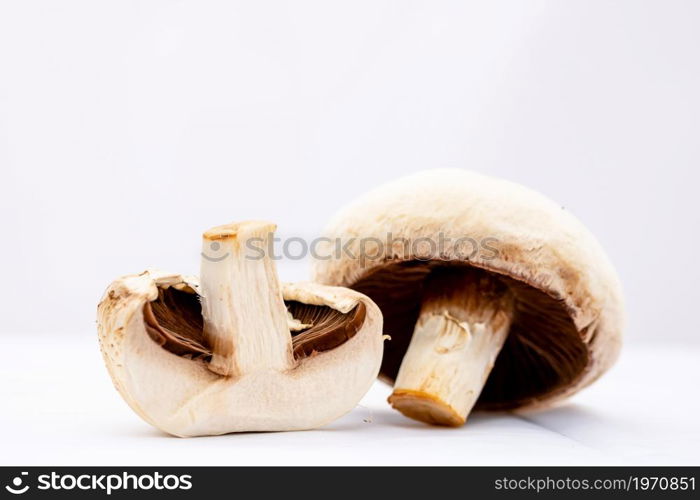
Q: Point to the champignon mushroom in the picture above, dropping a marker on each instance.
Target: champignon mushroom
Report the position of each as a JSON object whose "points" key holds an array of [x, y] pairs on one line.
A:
{"points": [[236, 351], [491, 293]]}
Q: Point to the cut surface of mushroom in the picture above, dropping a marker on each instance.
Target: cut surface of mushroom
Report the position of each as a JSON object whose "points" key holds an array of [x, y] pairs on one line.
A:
{"points": [[512, 304], [237, 350], [245, 319]]}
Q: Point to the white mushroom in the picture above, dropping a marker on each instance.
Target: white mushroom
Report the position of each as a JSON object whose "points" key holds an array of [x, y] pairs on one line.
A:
{"points": [[219, 356], [492, 294]]}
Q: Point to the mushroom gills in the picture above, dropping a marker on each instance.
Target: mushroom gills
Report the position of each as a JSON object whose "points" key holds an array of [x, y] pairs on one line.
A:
{"points": [[174, 321], [464, 319], [329, 328], [543, 352]]}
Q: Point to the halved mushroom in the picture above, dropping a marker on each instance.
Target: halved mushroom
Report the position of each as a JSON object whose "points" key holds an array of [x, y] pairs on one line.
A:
{"points": [[236, 351], [492, 294]]}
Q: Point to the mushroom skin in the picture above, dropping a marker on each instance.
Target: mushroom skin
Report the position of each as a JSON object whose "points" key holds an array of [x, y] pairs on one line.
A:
{"points": [[567, 315], [269, 386]]}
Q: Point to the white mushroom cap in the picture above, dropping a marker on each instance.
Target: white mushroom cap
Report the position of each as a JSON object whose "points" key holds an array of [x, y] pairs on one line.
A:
{"points": [[183, 395], [570, 306]]}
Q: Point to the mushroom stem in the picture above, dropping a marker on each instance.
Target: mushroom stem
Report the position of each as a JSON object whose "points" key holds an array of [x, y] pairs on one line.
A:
{"points": [[245, 318], [464, 320]]}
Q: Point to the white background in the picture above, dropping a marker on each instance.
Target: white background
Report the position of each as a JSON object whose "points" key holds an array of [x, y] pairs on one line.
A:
{"points": [[128, 127]]}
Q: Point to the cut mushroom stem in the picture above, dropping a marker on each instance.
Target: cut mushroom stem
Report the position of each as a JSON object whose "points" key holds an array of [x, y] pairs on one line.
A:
{"points": [[464, 320], [245, 318]]}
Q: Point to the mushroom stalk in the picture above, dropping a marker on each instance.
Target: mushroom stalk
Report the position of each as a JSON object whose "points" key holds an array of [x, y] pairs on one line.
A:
{"points": [[245, 318], [464, 321]]}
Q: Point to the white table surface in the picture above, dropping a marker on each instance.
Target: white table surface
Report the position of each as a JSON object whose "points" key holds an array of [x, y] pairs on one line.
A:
{"points": [[59, 408]]}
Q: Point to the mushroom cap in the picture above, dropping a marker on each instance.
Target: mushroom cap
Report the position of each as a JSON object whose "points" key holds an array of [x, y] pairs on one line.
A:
{"points": [[181, 396], [568, 316]]}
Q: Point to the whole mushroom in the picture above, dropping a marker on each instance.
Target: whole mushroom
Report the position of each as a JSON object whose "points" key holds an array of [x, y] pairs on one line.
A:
{"points": [[235, 350], [493, 295]]}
